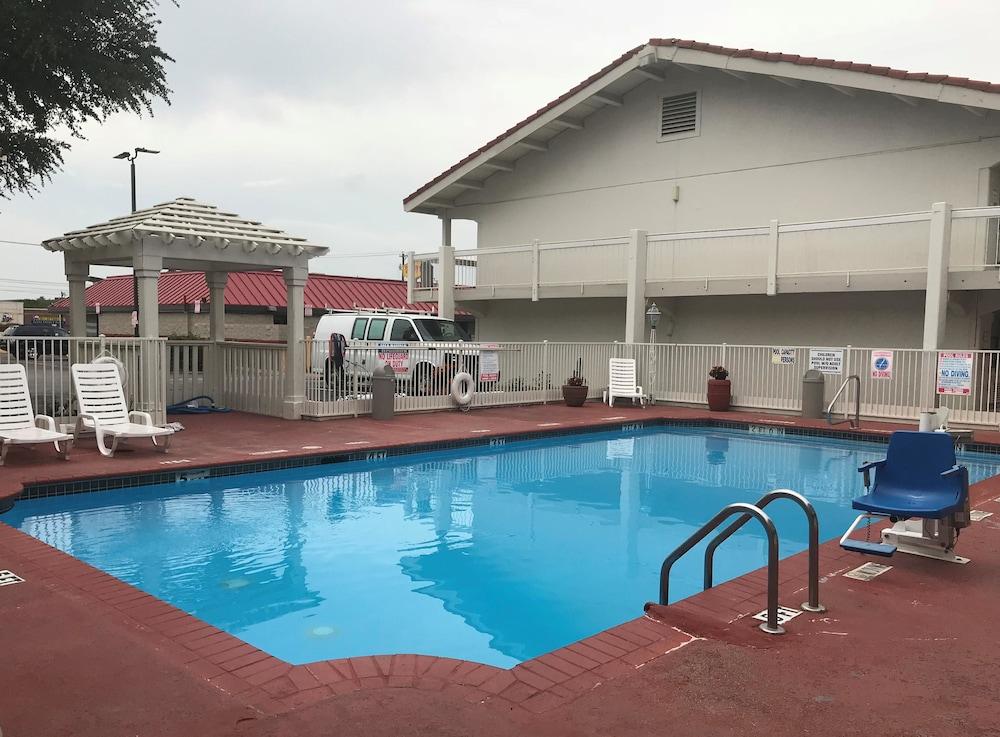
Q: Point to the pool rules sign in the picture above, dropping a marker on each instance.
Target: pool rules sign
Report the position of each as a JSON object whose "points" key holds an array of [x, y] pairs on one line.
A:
{"points": [[881, 364], [954, 372]]}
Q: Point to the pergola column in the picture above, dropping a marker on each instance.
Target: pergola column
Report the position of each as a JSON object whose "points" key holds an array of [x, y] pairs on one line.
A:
{"points": [[216, 332], [217, 305], [146, 270], [77, 275], [295, 368]]}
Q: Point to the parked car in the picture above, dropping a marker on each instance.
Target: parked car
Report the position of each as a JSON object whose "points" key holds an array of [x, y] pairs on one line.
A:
{"points": [[377, 331], [34, 339]]}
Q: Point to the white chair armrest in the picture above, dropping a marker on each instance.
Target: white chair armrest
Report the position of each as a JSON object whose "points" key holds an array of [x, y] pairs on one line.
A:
{"points": [[141, 418], [45, 422], [80, 427]]}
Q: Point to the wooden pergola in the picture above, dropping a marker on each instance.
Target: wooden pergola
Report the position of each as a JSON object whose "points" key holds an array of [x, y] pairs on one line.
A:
{"points": [[185, 234]]}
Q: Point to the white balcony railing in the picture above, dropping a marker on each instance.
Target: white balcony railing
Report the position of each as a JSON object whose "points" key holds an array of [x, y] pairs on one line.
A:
{"points": [[825, 254]]}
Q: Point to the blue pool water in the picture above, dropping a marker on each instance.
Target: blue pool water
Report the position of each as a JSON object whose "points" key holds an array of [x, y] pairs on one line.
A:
{"points": [[488, 554]]}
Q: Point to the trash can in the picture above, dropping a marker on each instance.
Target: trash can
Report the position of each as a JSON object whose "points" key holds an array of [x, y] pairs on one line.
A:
{"points": [[813, 386], [383, 393]]}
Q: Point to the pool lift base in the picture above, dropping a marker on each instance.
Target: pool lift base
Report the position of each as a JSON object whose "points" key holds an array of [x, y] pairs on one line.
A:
{"points": [[927, 538]]}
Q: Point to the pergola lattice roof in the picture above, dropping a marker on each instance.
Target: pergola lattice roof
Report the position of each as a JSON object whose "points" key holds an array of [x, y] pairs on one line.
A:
{"points": [[197, 223]]}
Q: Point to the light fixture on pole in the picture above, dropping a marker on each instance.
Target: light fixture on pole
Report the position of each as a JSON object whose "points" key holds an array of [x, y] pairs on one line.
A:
{"points": [[131, 161], [653, 315]]}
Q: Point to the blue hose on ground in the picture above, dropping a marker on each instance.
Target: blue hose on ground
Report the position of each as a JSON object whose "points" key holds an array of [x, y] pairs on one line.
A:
{"points": [[191, 407]]}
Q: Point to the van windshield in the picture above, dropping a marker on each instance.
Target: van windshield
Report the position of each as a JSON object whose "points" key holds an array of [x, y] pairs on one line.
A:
{"points": [[443, 330]]}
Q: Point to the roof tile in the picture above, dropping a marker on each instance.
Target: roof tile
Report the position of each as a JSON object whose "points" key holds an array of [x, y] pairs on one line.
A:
{"points": [[259, 289]]}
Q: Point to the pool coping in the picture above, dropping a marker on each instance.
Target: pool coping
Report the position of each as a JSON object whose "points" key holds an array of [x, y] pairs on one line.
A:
{"points": [[271, 685], [374, 452]]}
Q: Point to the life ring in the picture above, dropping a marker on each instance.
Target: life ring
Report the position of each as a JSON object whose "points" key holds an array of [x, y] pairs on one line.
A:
{"points": [[462, 389], [122, 373]]}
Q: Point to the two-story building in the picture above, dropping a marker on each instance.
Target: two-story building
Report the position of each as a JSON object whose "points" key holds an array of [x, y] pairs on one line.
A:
{"points": [[756, 197]]}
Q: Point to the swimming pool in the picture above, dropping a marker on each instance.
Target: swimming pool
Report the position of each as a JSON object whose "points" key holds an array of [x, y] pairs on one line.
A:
{"points": [[493, 554]]}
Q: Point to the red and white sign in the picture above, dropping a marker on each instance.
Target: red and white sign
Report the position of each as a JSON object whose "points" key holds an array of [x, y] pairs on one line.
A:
{"points": [[394, 355], [882, 364], [954, 372], [489, 362]]}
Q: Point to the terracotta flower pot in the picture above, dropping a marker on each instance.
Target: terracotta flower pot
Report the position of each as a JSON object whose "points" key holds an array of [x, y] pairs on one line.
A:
{"points": [[719, 394], [575, 396]]}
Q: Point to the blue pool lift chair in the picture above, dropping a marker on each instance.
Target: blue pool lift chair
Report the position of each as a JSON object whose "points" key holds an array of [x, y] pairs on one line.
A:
{"points": [[920, 488]]}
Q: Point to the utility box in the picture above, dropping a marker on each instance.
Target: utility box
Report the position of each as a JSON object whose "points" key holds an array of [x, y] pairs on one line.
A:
{"points": [[383, 393], [813, 389]]}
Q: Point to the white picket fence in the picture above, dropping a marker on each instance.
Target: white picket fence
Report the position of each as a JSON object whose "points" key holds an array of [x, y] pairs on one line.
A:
{"points": [[47, 362], [251, 376]]}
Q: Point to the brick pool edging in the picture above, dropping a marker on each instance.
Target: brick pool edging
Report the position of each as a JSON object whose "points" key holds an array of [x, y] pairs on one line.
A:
{"points": [[105, 482], [271, 685]]}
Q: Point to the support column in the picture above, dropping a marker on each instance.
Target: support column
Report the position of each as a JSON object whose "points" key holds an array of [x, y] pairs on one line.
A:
{"points": [[635, 287], [295, 367], [411, 276], [149, 387], [77, 275], [146, 270], [217, 305], [446, 283], [214, 379], [772, 259], [446, 272], [938, 256]]}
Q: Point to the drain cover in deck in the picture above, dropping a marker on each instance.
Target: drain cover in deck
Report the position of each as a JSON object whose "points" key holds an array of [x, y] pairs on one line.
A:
{"points": [[867, 572], [7, 578], [785, 614]]}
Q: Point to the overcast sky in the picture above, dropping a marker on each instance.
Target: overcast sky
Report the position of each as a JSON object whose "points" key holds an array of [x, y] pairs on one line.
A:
{"points": [[319, 116]]}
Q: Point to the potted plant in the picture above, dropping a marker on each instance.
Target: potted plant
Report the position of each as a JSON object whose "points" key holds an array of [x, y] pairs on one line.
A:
{"points": [[575, 391], [719, 389]]}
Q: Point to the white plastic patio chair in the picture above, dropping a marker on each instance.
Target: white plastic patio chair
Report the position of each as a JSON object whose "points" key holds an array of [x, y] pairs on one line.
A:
{"points": [[103, 409], [19, 425], [622, 381]]}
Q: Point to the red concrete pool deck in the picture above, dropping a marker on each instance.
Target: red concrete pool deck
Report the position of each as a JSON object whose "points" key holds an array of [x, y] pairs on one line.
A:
{"points": [[912, 650]]}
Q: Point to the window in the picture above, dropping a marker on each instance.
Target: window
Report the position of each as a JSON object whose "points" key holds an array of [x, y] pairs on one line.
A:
{"points": [[440, 330], [680, 116], [358, 332], [376, 331], [402, 329]]}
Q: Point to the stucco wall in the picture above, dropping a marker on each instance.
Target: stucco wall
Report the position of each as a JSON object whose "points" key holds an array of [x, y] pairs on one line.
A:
{"points": [[869, 319], [764, 151]]}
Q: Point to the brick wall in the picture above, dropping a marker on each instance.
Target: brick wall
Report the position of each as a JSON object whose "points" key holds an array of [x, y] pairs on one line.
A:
{"points": [[175, 324]]}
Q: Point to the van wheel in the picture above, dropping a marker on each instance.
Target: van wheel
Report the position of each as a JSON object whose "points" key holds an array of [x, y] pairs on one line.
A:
{"points": [[421, 384]]}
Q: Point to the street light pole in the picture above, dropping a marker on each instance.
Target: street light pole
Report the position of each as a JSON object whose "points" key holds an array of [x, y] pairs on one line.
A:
{"points": [[131, 163]]}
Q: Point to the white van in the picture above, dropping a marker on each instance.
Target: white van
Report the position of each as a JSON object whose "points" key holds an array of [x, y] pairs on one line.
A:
{"points": [[376, 331]]}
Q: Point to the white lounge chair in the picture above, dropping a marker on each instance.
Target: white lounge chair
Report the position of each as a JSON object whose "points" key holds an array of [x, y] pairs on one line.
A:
{"points": [[103, 409], [19, 425], [622, 381]]}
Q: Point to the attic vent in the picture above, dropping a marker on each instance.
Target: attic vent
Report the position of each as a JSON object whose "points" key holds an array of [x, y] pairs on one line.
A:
{"points": [[679, 114]]}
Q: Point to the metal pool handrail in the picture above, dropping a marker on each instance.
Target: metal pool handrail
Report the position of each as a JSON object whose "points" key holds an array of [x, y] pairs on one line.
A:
{"points": [[771, 626], [856, 420], [813, 604]]}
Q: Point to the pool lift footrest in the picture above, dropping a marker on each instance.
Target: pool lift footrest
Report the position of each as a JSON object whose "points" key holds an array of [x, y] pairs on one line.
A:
{"points": [[863, 546]]}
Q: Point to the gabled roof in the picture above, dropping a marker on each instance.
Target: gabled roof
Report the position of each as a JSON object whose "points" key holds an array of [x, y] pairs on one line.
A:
{"points": [[653, 60], [258, 289], [187, 219]]}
